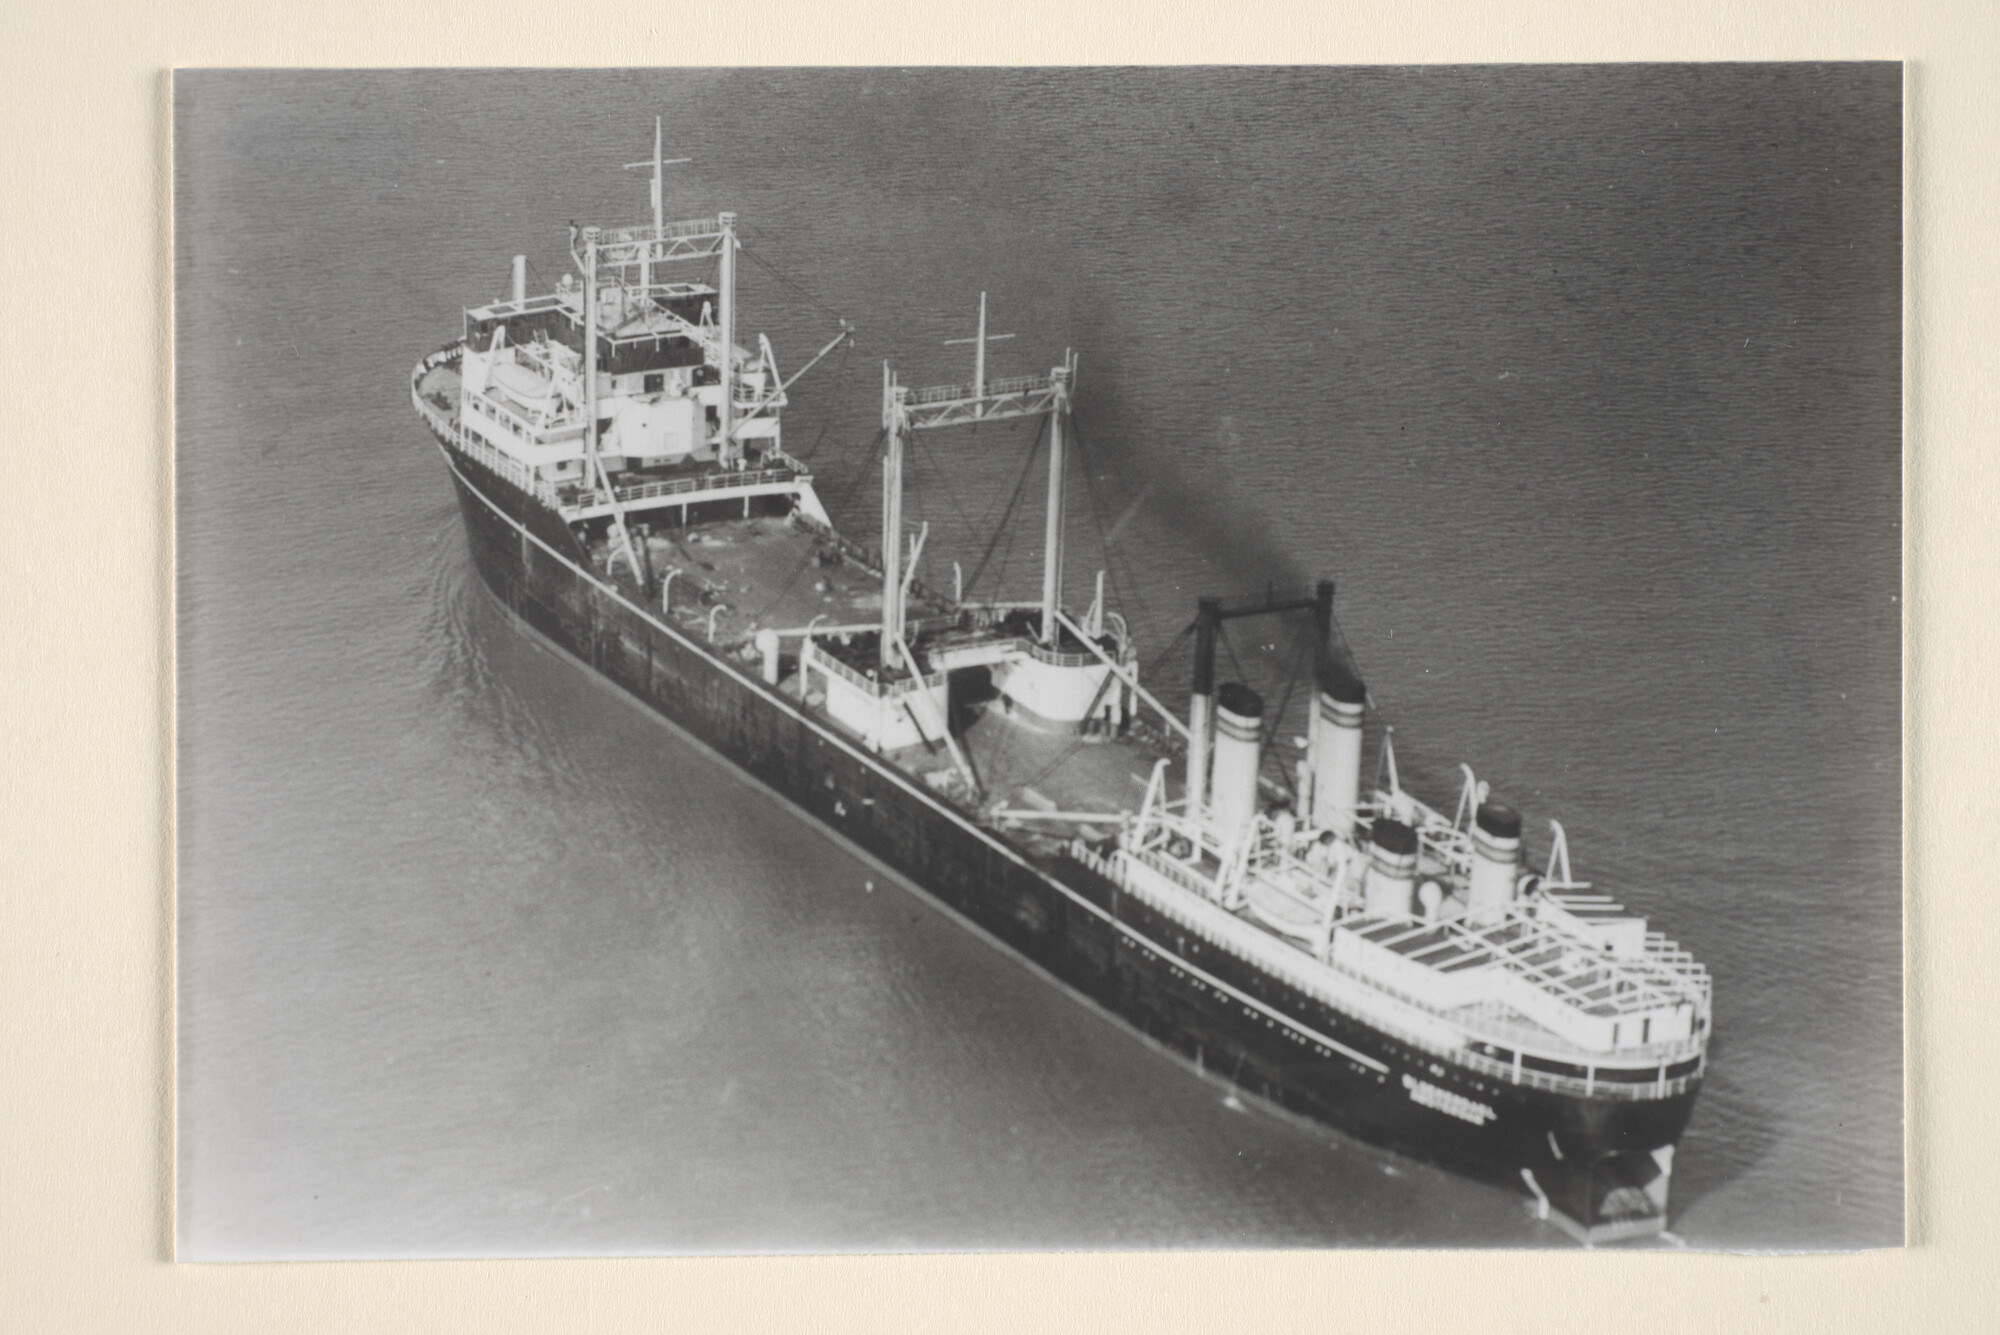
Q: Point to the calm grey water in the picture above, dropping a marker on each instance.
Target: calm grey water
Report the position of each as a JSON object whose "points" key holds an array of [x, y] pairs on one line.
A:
{"points": [[1582, 382]]}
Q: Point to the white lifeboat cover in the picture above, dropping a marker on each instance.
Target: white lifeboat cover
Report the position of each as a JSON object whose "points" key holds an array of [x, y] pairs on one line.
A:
{"points": [[523, 384]]}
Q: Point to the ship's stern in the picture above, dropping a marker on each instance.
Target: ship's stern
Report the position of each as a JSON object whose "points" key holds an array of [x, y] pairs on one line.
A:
{"points": [[1610, 1199]]}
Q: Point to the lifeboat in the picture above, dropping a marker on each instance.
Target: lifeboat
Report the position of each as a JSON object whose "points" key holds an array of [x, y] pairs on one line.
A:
{"points": [[523, 384]]}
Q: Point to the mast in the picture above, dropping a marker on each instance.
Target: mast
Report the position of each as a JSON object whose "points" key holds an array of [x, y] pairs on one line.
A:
{"points": [[1201, 700], [1052, 545], [979, 356], [978, 408], [969, 405], [590, 399], [893, 396], [659, 202], [644, 248], [889, 418], [727, 445], [591, 346]]}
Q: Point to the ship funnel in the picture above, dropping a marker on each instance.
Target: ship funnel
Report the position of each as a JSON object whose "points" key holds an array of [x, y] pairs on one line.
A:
{"points": [[1496, 860], [520, 280], [1239, 722], [1335, 746], [1392, 870]]}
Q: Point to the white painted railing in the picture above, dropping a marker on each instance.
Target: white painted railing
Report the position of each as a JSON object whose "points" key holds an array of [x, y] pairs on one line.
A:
{"points": [[450, 430], [1020, 384], [822, 661], [1313, 976], [690, 486]]}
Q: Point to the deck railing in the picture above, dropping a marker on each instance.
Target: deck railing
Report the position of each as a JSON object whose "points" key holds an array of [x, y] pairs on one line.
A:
{"points": [[453, 433], [823, 661], [688, 486], [559, 427], [1261, 955], [1023, 645], [611, 236], [1020, 384], [1056, 657]]}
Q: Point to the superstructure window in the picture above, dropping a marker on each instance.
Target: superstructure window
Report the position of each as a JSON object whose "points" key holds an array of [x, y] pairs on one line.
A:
{"points": [[656, 382]]}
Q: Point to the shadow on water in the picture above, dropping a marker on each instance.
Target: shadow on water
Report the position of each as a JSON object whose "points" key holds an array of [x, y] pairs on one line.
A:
{"points": [[1707, 1162]]}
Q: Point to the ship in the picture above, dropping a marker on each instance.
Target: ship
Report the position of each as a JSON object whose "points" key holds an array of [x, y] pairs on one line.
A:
{"points": [[1343, 952]]}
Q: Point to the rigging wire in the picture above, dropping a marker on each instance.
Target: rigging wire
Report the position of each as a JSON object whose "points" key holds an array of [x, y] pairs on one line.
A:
{"points": [[1340, 639], [943, 479], [1004, 529], [989, 523], [785, 278], [1076, 745], [1285, 771], [1274, 722], [1124, 596], [867, 466], [799, 569], [1003, 569], [1285, 700], [1171, 649], [840, 379], [861, 474], [1222, 634]]}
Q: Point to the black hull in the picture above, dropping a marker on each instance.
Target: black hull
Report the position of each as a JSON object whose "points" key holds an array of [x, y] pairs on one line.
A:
{"points": [[1591, 1160]]}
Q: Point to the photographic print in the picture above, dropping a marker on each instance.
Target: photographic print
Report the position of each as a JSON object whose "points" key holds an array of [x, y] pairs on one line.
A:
{"points": [[854, 660]]}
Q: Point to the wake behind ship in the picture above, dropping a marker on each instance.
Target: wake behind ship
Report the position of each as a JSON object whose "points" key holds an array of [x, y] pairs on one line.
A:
{"points": [[1347, 952]]}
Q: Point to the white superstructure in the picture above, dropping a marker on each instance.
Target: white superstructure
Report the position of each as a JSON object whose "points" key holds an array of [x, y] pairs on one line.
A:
{"points": [[1419, 924]]}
